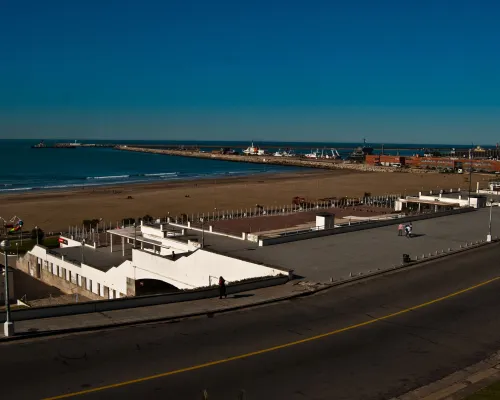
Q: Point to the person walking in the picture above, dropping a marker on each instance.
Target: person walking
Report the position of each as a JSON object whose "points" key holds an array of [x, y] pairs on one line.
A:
{"points": [[408, 231], [400, 230], [222, 288]]}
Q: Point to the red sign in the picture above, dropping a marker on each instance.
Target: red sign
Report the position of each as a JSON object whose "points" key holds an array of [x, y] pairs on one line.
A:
{"points": [[63, 241]]}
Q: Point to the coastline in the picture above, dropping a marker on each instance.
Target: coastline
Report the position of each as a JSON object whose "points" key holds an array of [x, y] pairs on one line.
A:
{"points": [[56, 210]]}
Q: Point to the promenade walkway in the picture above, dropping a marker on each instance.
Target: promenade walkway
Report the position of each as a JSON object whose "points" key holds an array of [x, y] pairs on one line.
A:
{"points": [[317, 260], [338, 256]]}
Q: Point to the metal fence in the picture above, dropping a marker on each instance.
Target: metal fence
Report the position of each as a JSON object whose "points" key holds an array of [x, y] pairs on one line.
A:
{"points": [[387, 201]]}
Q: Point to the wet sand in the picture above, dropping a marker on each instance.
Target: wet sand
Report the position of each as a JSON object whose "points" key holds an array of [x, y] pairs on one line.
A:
{"points": [[56, 210]]}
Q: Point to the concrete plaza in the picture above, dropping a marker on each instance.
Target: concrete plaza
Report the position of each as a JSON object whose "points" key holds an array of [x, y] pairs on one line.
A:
{"points": [[337, 256]]}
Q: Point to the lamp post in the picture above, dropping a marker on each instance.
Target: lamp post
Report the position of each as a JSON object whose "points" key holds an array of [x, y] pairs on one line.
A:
{"points": [[202, 220], [8, 326], [82, 248], [17, 250], [135, 234], [488, 237], [36, 232]]}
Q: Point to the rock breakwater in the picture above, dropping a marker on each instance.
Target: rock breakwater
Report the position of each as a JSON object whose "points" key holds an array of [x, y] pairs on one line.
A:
{"points": [[269, 159]]}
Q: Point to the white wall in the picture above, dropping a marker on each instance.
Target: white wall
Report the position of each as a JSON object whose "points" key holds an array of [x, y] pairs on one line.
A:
{"points": [[463, 202], [186, 272], [71, 242], [114, 278], [194, 270]]}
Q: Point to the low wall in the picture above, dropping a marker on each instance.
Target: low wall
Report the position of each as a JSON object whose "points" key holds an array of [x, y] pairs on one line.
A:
{"points": [[124, 303], [207, 230], [357, 227]]}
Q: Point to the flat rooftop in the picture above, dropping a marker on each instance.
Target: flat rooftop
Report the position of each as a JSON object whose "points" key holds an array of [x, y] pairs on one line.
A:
{"points": [[337, 255], [292, 220], [100, 258]]}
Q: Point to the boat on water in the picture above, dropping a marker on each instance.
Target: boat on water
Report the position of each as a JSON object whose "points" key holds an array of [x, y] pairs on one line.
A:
{"points": [[359, 153], [330, 154], [367, 150], [42, 145], [313, 154], [284, 153], [253, 150]]}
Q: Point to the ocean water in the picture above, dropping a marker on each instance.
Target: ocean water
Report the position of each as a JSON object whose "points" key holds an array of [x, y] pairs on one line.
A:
{"points": [[24, 169]]}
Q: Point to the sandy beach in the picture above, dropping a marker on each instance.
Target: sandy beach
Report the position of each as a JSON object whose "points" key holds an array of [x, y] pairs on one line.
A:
{"points": [[56, 210]]}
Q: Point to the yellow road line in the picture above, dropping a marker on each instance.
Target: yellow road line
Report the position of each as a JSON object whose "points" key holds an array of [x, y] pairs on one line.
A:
{"points": [[270, 349]]}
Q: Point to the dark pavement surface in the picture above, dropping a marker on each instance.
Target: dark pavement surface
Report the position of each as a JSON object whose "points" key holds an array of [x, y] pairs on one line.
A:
{"points": [[337, 256], [375, 361]]}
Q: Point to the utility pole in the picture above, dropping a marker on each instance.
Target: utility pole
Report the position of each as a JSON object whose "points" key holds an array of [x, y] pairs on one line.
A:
{"points": [[135, 234], [470, 171], [488, 238], [202, 220]]}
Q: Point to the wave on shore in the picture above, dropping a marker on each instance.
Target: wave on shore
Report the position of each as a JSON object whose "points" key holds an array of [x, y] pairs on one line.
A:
{"points": [[98, 181]]}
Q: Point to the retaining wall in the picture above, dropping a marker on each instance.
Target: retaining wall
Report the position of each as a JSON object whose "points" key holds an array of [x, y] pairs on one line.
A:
{"points": [[124, 303]]}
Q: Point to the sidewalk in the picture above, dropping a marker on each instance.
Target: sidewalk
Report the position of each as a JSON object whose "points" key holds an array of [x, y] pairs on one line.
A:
{"points": [[336, 258], [173, 311], [187, 309]]}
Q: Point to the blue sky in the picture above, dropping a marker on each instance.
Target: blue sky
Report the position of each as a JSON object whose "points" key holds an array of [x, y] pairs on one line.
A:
{"points": [[400, 71]]}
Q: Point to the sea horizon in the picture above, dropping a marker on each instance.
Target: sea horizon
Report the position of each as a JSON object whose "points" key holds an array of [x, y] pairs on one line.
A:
{"points": [[87, 167], [351, 144]]}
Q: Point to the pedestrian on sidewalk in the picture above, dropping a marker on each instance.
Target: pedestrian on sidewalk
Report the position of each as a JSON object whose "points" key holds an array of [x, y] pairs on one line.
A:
{"points": [[222, 288], [400, 230]]}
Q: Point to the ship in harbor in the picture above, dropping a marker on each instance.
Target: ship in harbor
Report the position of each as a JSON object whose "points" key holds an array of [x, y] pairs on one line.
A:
{"points": [[359, 153], [40, 145], [254, 151], [367, 150], [43, 145]]}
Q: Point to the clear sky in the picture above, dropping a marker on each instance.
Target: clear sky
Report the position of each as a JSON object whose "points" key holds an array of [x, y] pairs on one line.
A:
{"points": [[391, 71]]}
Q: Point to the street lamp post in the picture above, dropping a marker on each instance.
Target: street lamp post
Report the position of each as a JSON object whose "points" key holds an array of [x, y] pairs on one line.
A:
{"points": [[36, 233], [488, 237], [8, 326], [82, 249], [202, 220]]}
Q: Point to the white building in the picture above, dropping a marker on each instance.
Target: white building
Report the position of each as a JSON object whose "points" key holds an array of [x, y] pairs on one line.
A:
{"points": [[135, 259], [440, 202]]}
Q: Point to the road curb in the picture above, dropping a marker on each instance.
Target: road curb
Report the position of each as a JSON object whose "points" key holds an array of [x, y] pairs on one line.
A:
{"points": [[459, 384], [210, 314]]}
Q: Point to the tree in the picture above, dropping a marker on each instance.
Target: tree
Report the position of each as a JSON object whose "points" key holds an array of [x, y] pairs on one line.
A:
{"points": [[37, 232]]}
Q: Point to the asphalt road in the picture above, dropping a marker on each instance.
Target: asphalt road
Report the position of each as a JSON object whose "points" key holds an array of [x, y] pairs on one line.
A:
{"points": [[389, 347]]}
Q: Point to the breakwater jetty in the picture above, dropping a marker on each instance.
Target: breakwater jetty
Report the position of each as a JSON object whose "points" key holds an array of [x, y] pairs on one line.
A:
{"points": [[329, 164]]}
